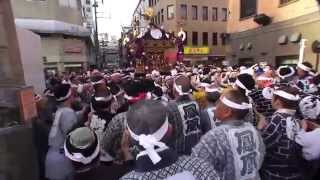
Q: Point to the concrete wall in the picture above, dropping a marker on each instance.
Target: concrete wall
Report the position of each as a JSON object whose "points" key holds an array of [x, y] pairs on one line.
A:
{"points": [[17, 154], [271, 8], [9, 50], [49, 9], [31, 59]]}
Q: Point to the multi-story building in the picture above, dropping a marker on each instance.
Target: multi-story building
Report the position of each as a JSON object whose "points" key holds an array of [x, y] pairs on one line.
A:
{"points": [[272, 30], [204, 21], [138, 20], [66, 43], [87, 14]]}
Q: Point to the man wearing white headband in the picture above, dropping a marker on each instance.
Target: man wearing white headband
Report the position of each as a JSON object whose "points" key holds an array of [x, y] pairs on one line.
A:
{"points": [[57, 166], [150, 130], [208, 120], [99, 84], [101, 117], [304, 82], [185, 116], [246, 85], [235, 148], [112, 135], [283, 158], [286, 74]]}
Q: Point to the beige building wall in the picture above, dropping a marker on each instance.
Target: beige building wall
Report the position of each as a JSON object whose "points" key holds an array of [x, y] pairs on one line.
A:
{"points": [[51, 48], [50, 10], [169, 25], [271, 8], [57, 50], [54, 54], [298, 17], [199, 25]]}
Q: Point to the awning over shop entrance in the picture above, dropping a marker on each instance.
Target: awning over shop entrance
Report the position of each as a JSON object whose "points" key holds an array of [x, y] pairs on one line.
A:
{"points": [[73, 65]]}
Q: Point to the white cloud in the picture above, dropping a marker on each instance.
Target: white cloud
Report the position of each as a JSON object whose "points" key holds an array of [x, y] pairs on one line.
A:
{"points": [[116, 13]]}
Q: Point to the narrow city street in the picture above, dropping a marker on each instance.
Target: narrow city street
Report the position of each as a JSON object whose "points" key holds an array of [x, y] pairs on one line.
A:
{"points": [[159, 90]]}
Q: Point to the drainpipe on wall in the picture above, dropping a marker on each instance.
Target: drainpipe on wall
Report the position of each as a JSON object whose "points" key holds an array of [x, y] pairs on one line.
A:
{"points": [[302, 47]]}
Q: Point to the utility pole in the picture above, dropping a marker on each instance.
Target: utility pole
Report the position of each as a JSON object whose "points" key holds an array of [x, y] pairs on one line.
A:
{"points": [[96, 38]]}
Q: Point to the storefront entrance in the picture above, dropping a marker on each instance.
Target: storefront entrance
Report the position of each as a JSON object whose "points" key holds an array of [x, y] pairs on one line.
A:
{"points": [[291, 60]]}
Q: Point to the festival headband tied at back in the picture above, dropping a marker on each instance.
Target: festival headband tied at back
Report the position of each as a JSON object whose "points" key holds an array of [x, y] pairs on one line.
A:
{"points": [[80, 158], [304, 67], [287, 75], [286, 95], [234, 105], [104, 99], [98, 82], [149, 142], [240, 85]]}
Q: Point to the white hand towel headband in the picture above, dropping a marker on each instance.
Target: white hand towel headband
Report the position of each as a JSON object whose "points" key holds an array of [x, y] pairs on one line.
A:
{"points": [[304, 67], [239, 84], [98, 82], [286, 95], [212, 89], [149, 142], [288, 75], [105, 99], [231, 104], [78, 157]]}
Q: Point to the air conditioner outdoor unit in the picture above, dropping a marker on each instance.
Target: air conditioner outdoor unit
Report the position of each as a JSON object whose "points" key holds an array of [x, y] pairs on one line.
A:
{"points": [[262, 19]]}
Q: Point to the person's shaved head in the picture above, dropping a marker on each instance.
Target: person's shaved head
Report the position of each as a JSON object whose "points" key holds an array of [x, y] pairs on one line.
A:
{"points": [[146, 117], [237, 97], [184, 82]]}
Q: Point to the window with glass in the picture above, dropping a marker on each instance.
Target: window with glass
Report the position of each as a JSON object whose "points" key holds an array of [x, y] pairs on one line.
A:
{"points": [[205, 13], [248, 8], [205, 38], [162, 15], [170, 12], [214, 39], [183, 11], [223, 39], [159, 16], [195, 38], [214, 14], [284, 2], [224, 14], [194, 12]]}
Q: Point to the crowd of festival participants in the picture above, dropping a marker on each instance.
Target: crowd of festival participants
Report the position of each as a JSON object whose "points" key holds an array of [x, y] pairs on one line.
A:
{"points": [[192, 123]]}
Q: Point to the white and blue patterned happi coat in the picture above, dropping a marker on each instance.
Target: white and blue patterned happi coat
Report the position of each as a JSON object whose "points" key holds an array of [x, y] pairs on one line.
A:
{"points": [[235, 149], [186, 167]]}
